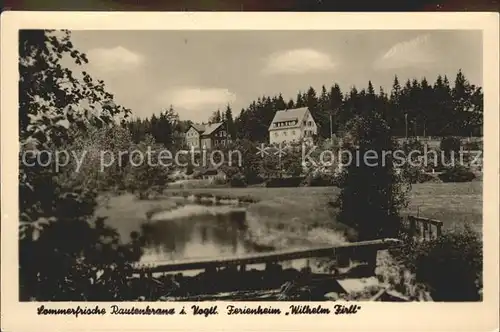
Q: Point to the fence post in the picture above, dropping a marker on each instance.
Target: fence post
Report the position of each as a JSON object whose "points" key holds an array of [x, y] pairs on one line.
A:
{"points": [[439, 229], [413, 226]]}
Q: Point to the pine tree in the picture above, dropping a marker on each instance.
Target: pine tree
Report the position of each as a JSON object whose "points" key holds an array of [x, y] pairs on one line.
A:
{"points": [[230, 122], [300, 100]]}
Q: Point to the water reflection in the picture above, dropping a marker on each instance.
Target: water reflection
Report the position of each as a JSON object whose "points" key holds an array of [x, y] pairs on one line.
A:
{"points": [[196, 231]]}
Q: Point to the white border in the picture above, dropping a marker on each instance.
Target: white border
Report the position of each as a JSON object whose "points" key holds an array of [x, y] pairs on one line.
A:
{"points": [[373, 316]]}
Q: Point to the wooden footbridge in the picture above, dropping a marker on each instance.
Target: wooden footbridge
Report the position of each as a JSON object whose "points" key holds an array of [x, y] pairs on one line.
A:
{"points": [[357, 251]]}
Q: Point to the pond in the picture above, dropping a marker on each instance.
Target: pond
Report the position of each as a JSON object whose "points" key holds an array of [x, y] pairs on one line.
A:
{"points": [[187, 228], [197, 231]]}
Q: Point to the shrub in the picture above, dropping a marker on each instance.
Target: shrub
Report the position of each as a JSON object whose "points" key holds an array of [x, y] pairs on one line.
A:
{"points": [[450, 266], [416, 175], [473, 146], [293, 181], [320, 180], [219, 181], [457, 173], [189, 169], [238, 181], [449, 144]]}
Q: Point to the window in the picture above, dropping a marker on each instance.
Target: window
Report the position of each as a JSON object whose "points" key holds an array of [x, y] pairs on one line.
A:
{"points": [[310, 123], [304, 122], [293, 132], [276, 134]]}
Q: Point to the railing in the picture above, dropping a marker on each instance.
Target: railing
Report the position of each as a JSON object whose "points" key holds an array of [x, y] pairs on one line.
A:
{"points": [[358, 251], [424, 229]]}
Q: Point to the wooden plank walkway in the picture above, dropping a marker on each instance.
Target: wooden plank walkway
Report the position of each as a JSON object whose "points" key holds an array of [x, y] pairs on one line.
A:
{"points": [[271, 257]]}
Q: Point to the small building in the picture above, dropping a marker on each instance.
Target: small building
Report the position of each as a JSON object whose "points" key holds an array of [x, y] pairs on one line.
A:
{"points": [[292, 125], [207, 136], [213, 174]]}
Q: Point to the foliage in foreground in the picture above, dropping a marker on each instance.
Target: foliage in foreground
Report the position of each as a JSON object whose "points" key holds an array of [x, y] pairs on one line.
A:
{"points": [[450, 266], [65, 253]]}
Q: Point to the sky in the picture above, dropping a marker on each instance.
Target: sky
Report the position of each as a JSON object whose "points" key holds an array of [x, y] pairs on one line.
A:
{"points": [[199, 72]]}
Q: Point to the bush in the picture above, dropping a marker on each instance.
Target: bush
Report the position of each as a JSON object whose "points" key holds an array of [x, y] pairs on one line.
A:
{"points": [[321, 180], [237, 181], [293, 181], [189, 169], [457, 174], [474, 146], [416, 175], [219, 181], [449, 144], [450, 266]]}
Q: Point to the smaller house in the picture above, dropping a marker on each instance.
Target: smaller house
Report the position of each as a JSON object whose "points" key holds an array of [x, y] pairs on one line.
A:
{"points": [[207, 136], [213, 174], [215, 135]]}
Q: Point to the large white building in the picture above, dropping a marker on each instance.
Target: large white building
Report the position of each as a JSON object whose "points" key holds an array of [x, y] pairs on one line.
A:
{"points": [[292, 125]]}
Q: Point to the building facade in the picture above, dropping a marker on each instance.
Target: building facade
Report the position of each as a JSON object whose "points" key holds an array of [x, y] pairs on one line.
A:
{"points": [[207, 136], [193, 136], [292, 125]]}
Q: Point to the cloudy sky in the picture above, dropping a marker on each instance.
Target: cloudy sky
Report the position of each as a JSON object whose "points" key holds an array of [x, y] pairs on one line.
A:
{"points": [[201, 71]]}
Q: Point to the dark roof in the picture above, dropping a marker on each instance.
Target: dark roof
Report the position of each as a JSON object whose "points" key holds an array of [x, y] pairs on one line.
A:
{"points": [[198, 127], [211, 128]]}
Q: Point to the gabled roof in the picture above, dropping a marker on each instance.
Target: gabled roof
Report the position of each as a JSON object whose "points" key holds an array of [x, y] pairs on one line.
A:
{"points": [[198, 127], [211, 128], [296, 114]]}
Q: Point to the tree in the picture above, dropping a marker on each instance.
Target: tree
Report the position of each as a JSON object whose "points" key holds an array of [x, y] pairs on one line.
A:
{"points": [[216, 117], [372, 192], [148, 174], [251, 162], [77, 256], [230, 122]]}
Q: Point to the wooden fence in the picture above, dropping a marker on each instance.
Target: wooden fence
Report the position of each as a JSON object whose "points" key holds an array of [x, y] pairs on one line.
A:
{"points": [[424, 229]]}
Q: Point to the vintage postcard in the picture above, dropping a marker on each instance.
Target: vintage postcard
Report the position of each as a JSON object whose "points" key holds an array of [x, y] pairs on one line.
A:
{"points": [[191, 171]]}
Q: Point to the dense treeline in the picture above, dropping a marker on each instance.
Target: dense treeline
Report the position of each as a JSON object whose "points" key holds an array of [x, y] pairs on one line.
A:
{"points": [[430, 109], [415, 108], [166, 128]]}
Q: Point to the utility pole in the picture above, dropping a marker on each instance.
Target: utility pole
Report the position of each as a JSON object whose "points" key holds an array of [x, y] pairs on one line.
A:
{"points": [[406, 126], [331, 126]]}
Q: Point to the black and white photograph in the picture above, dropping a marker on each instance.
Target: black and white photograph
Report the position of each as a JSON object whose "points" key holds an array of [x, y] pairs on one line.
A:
{"points": [[250, 166]]}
